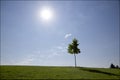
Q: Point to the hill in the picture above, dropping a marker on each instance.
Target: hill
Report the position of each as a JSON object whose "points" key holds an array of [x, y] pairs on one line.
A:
{"points": [[48, 72]]}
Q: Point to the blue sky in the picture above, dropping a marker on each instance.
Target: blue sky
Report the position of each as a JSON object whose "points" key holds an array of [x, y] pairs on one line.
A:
{"points": [[27, 40]]}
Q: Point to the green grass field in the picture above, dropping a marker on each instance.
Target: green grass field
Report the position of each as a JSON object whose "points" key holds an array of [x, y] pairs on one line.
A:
{"points": [[44, 72]]}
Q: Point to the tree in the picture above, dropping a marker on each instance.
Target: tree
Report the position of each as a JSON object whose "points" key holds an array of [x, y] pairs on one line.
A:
{"points": [[117, 66], [73, 49], [112, 66]]}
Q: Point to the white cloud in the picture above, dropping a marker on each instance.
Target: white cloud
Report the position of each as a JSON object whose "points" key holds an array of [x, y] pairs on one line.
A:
{"points": [[41, 57], [26, 61], [67, 35], [60, 47]]}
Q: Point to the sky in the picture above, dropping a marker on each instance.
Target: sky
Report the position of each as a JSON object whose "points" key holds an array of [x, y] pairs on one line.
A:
{"points": [[26, 39]]}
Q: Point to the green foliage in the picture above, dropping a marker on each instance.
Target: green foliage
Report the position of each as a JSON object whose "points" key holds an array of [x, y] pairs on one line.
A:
{"points": [[73, 47], [42, 72]]}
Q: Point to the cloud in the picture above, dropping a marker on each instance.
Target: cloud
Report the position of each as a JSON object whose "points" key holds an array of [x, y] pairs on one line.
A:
{"points": [[67, 35], [26, 61], [42, 57], [59, 47]]}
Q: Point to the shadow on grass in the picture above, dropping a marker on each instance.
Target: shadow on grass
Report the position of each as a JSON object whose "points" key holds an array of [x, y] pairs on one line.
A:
{"points": [[98, 71]]}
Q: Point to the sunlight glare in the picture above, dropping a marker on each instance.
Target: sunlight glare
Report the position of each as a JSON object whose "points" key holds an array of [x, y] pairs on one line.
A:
{"points": [[46, 14]]}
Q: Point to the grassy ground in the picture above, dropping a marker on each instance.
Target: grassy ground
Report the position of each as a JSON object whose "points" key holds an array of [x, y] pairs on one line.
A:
{"points": [[39, 72]]}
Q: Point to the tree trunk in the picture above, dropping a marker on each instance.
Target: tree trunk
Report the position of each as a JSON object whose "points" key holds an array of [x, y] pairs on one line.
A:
{"points": [[75, 59]]}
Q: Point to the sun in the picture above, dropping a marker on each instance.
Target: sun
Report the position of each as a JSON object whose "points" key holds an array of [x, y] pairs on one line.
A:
{"points": [[46, 14]]}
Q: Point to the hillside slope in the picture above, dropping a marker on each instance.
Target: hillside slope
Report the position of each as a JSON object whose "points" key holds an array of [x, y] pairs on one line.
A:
{"points": [[43, 72]]}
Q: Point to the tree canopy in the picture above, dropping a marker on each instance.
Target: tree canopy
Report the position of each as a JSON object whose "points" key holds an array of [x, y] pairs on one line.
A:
{"points": [[73, 47]]}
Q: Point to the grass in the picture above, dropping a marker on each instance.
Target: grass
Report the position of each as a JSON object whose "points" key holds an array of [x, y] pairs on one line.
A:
{"points": [[44, 72]]}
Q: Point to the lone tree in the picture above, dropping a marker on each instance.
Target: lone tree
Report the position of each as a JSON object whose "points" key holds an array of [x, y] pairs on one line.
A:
{"points": [[73, 48]]}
